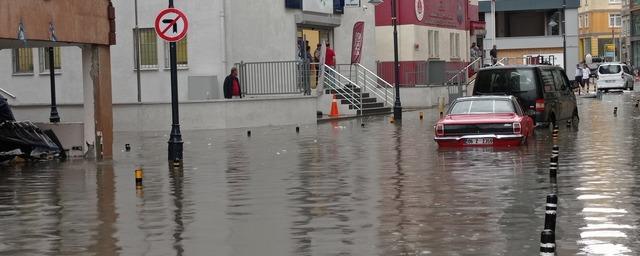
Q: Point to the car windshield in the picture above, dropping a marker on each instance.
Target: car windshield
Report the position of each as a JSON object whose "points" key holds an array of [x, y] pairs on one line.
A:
{"points": [[609, 69], [506, 81], [482, 106]]}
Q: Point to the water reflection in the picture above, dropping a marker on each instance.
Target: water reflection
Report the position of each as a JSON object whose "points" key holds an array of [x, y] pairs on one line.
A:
{"points": [[335, 189]]}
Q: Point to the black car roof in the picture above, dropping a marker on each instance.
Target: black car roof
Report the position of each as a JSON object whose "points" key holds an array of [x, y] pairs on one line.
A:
{"points": [[519, 67]]}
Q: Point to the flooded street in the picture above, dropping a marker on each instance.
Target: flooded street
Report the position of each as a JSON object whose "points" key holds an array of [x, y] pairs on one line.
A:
{"points": [[336, 189]]}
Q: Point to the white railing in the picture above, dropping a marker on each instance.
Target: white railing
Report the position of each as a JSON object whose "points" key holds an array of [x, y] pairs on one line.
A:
{"points": [[7, 93], [462, 75], [369, 82], [338, 83]]}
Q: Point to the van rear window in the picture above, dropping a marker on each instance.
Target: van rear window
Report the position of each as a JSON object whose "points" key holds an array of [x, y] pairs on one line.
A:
{"points": [[515, 80], [609, 69]]}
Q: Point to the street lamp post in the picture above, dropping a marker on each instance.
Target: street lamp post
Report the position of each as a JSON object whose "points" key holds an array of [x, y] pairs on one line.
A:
{"points": [[564, 34], [175, 139], [53, 117], [397, 107]]}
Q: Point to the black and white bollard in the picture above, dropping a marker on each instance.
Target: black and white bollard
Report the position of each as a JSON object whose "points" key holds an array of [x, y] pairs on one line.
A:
{"points": [[555, 151], [249, 133], [547, 243], [421, 115], [551, 212], [615, 111], [297, 129], [553, 166], [127, 147], [556, 132]]}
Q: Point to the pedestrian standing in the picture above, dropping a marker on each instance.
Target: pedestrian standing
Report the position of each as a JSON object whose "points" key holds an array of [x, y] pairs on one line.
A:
{"points": [[330, 60], [475, 53], [231, 86], [494, 55], [586, 76], [5, 111], [578, 77]]}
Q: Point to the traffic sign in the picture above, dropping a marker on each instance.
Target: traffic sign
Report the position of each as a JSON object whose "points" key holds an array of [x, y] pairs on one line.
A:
{"points": [[171, 24]]}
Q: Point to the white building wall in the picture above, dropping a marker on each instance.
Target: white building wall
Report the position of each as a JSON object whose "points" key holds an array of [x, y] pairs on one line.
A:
{"points": [[248, 31]]}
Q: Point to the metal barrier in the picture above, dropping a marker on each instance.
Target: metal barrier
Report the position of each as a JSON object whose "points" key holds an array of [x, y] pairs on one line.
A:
{"points": [[7, 93], [275, 77], [369, 82]]}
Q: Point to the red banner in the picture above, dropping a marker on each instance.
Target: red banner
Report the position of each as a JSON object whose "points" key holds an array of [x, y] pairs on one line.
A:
{"points": [[356, 45]]}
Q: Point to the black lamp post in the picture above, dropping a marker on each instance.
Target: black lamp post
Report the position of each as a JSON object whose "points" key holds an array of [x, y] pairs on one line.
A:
{"points": [[397, 107], [564, 34], [53, 117], [175, 139]]}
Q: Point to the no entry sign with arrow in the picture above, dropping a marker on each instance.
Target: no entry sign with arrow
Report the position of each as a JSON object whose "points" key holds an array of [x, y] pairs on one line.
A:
{"points": [[171, 24]]}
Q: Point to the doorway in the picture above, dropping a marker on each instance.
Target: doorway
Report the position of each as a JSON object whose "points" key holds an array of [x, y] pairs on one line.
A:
{"points": [[313, 37]]}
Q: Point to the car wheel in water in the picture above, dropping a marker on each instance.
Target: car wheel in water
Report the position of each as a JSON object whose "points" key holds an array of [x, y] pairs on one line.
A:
{"points": [[575, 118]]}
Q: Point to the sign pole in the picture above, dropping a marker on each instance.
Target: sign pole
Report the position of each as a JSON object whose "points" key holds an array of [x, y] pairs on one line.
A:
{"points": [[175, 139]]}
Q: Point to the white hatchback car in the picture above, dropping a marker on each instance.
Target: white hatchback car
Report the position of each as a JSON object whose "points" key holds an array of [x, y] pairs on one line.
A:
{"points": [[614, 76]]}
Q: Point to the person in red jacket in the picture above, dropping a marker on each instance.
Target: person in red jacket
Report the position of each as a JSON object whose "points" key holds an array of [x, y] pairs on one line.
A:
{"points": [[231, 85], [330, 59]]}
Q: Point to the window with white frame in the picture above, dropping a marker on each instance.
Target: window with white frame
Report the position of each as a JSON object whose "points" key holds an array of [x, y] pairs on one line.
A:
{"points": [[454, 44], [615, 20], [22, 59], [182, 59], [148, 48], [434, 42], [43, 57]]}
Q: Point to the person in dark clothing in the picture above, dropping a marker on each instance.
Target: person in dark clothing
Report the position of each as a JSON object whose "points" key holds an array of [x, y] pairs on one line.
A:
{"points": [[231, 85], [5, 111], [494, 55]]}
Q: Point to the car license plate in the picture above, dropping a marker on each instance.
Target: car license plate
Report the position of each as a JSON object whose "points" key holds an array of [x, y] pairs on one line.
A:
{"points": [[479, 141], [609, 81]]}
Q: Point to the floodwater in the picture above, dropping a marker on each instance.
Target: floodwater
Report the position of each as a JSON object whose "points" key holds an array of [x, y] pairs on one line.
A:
{"points": [[336, 189]]}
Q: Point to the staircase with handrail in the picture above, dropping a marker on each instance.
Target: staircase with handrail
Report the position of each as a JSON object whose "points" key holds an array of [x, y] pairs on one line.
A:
{"points": [[7, 93], [359, 88]]}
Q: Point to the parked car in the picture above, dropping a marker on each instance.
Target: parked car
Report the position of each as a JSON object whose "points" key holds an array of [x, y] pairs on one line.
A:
{"points": [[614, 76], [484, 121], [543, 91]]}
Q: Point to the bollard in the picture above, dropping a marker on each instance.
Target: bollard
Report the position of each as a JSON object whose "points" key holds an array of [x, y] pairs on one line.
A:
{"points": [[362, 124], [421, 115], [547, 243], [138, 176], [555, 151], [249, 133], [553, 166], [550, 214], [297, 129], [615, 111], [392, 120], [177, 164], [637, 103], [127, 147], [441, 114]]}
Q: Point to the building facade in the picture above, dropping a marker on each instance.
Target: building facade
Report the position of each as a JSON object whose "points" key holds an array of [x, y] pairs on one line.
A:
{"points": [[634, 31], [600, 23], [524, 28], [221, 34], [433, 39]]}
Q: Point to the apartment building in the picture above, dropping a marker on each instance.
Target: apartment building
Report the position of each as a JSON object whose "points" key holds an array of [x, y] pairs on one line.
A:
{"points": [[600, 24]]}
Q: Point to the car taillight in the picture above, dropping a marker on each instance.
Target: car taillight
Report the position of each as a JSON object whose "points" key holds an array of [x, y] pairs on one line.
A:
{"points": [[540, 105], [439, 130], [517, 129]]}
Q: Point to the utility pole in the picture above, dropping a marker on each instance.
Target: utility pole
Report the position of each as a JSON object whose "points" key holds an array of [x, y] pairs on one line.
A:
{"points": [[564, 34], [53, 117], [175, 139], [397, 107], [136, 51]]}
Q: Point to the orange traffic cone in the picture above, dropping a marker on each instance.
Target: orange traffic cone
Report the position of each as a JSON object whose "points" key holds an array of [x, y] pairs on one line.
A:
{"points": [[334, 107]]}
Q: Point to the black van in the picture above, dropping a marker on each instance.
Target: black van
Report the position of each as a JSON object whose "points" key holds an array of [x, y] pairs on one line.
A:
{"points": [[544, 91]]}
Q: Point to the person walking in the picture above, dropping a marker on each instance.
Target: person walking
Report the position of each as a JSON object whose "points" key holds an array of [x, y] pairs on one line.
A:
{"points": [[494, 55], [231, 86], [586, 76], [578, 78]]}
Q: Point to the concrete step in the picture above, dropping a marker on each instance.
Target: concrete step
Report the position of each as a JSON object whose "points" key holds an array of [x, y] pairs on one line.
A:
{"points": [[349, 90], [364, 100], [369, 105], [351, 96], [375, 111]]}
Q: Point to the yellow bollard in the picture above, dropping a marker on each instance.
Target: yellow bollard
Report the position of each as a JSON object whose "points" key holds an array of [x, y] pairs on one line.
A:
{"points": [[421, 115], [392, 120], [441, 105], [138, 175]]}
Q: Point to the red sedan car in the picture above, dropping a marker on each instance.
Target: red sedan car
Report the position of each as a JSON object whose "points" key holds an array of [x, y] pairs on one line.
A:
{"points": [[484, 121]]}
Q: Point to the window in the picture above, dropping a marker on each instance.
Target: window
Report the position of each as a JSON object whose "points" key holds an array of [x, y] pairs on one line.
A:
{"points": [[43, 54], [615, 20], [23, 61], [181, 54], [434, 42], [482, 106], [148, 48], [615, 1], [454, 42], [586, 21]]}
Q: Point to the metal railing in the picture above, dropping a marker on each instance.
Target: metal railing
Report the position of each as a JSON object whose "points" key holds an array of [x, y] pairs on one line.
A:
{"points": [[342, 86], [7, 93], [528, 60], [275, 77], [462, 76], [369, 82]]}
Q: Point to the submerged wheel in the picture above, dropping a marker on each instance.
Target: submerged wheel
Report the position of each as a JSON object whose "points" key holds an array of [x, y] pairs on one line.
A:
{"points": [[575, 118]]}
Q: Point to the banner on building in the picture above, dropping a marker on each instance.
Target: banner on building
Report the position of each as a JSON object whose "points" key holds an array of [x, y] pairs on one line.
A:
{"points": [[357, 41], [319, 6]]}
